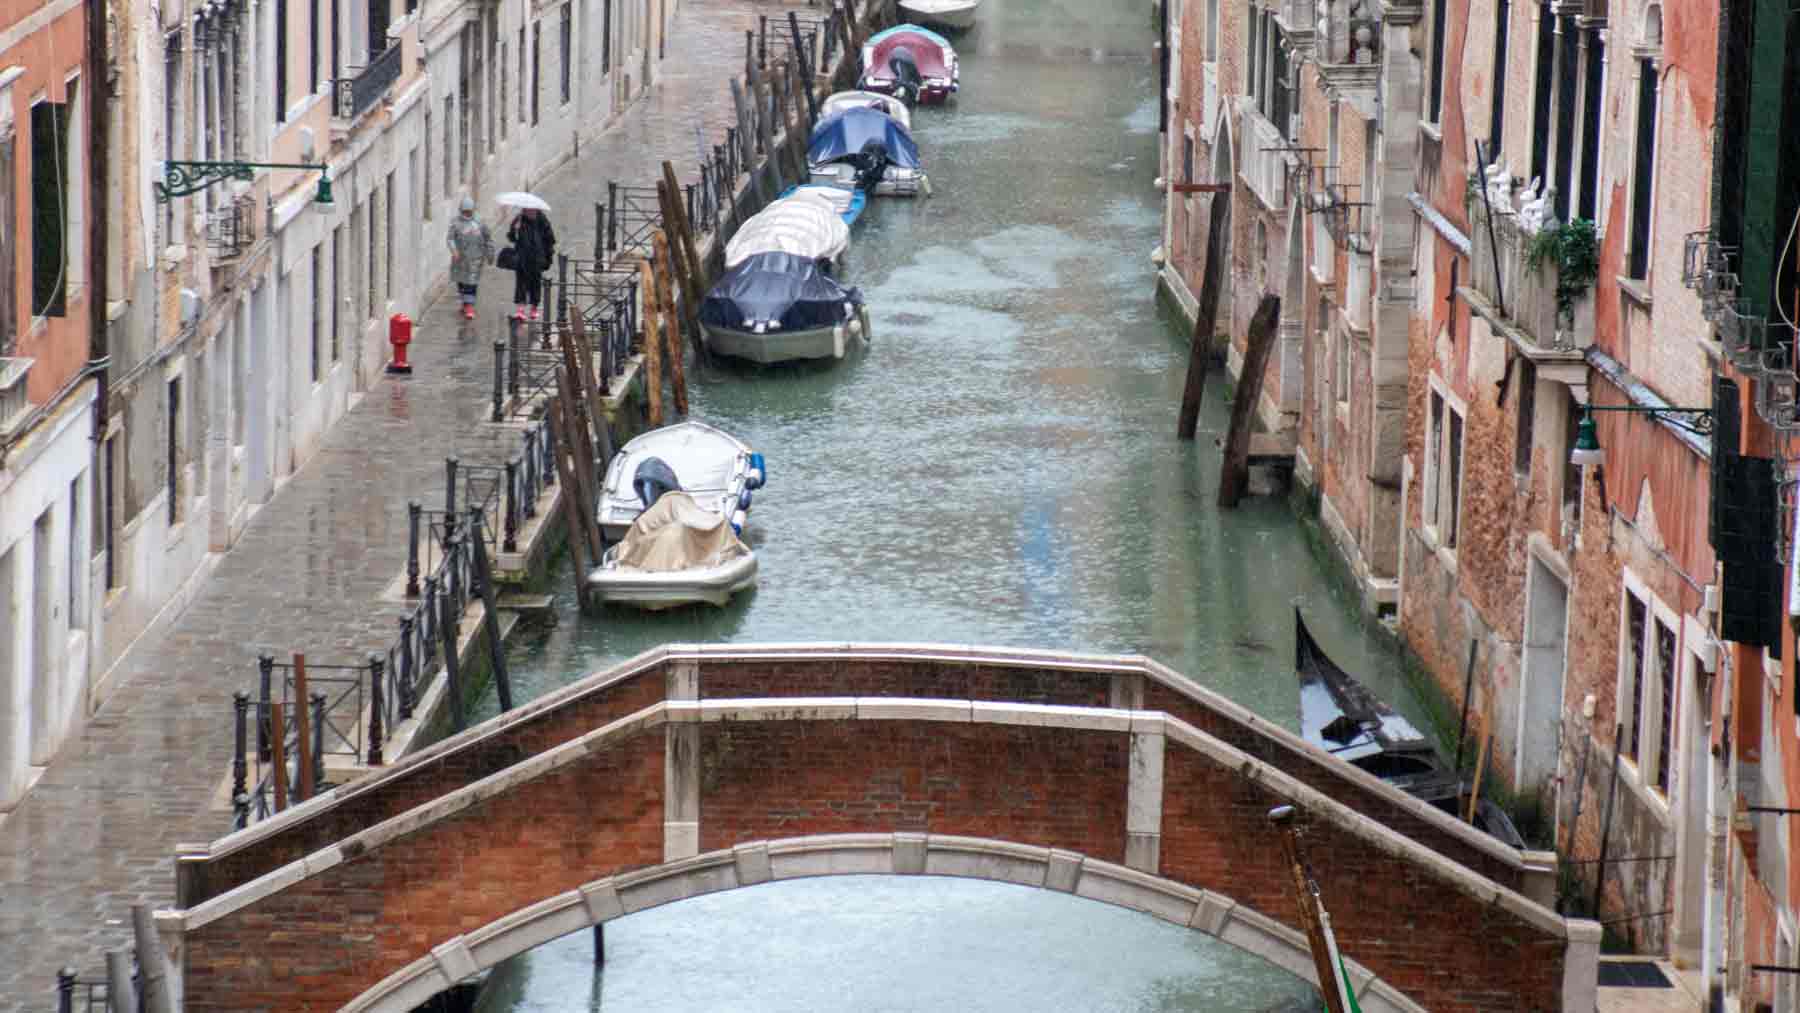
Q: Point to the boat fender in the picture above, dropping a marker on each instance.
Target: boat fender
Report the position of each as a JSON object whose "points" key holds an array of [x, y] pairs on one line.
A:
{"points": [[925, 185], [868, 329], [759, 471], [738, 520], [837, 341], [744, 498]]}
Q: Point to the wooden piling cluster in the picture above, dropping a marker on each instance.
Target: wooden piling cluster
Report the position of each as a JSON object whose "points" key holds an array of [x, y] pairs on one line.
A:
{"points": [[583, 445]]}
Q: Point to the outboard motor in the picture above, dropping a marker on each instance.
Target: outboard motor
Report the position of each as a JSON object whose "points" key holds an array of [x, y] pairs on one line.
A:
{"points": [[653, 478], [904, 67], [871, 164]]}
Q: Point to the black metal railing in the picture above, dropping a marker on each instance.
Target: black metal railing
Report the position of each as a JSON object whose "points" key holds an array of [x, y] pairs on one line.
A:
{"points": [[632, 214], [357, 94], [231, 228]]}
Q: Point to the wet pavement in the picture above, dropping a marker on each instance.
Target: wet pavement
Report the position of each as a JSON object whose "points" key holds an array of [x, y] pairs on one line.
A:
{"points": [[99, 830]]}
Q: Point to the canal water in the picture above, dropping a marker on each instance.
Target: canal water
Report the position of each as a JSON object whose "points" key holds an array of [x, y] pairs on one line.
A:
{"points": [[997, 467]]}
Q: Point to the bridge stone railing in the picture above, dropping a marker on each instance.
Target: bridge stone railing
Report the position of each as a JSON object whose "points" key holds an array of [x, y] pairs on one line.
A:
{"points": [[694, 672]]}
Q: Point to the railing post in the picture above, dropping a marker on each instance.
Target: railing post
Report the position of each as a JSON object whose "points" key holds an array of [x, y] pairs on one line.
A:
{"points": [[377, 698], [450, 636], [428, 636], [548, 467], [240, 769], [612, 216], [414, 514], [406, 668], [450, 464], [318, 743], [512, 508], [499, 379], [265, 669], [599, 233], [65, 990], [513, 367], [562, 288]]}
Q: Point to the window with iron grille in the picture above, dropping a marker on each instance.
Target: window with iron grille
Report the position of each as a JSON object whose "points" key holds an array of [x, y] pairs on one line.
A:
{"points": [[1643, 172]]}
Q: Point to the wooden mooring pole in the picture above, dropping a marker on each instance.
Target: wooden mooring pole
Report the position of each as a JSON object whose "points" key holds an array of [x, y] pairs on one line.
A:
{"points": [[671, 323], [303, 725], [490, 607], [1206, 316], [278, 751], [1234, 472]]}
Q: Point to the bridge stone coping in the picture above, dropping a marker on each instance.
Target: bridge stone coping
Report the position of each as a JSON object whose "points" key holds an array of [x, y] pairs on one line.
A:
{"points": [[681, 665], [682, 876]]}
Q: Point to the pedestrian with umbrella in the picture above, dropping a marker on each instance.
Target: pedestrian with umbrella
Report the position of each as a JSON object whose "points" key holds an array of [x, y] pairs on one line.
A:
{"points": [[533, 249], [470, 249]]}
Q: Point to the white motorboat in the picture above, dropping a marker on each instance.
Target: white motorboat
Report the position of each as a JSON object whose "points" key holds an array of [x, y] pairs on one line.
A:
{"points": [[718, 470], [806, 224], [676, 553], [955, 15], [889, 104]]}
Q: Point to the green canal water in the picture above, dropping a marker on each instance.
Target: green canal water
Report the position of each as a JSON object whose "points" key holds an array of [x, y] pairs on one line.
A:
{"points": [[997, 467]]}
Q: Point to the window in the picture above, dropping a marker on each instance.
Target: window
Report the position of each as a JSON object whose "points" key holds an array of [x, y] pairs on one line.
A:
{"points": [[312, 47], [172, 147], [1568, 59], [1643, 172], [337, 271], [337, 50], [1592, 91], [49, 209], [537, 68], [1541, 87], [524, 77], [568, 50], [1342, 386], [468, 56], [1443, 469], [109, 457], [174, 450], [371, 216], [77, 558], [281, 61], [493, 108], [378, 28], [1524, 406], [1187, 159], [1280, 97], [1434, 96], [1211, 28], [9, 322], [425, 167], [1646, 691], [449, 140], [500, 96], [606, 36], [318, 308], [1497, 87], [1252, 72], [387, 240]]}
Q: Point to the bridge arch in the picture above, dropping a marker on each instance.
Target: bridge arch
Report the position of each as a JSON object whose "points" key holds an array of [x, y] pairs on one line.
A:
{"points": [[642, 800], [897, 854]]}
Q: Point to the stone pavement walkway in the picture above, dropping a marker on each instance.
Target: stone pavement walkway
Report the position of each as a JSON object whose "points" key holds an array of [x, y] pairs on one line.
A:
{"points": [[99, 830]]}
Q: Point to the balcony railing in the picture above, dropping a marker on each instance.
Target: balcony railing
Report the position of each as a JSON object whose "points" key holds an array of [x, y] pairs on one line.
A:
{"points": [[356, 95], [230, 229], [14, 408], [1522, 294]]}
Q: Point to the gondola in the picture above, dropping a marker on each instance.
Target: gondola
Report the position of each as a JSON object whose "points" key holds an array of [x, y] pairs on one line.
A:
{"points": [[1341, 716]]}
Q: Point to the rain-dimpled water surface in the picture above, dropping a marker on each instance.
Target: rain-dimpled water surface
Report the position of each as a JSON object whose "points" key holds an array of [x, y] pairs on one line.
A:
{"points": [[997, 467]]}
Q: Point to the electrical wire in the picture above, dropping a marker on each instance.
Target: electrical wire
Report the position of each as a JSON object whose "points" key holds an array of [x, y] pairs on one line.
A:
{"points": [[1775, 297]]}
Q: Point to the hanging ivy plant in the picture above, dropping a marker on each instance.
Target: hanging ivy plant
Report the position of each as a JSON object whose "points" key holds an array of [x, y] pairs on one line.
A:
{"points": [[1574, 248]]}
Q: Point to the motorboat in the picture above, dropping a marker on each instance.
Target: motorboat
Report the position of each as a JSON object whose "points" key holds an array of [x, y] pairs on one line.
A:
{"points": [[1341, 716], [776, 307], [848, 203], [806, 224], [677, 552], [915, 63], [864, 149], [953, 15], [889, 104], [717, 470]]}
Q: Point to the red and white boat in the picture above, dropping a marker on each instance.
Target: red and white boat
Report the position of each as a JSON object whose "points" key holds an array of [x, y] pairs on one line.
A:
{"points": [[915, 63]]}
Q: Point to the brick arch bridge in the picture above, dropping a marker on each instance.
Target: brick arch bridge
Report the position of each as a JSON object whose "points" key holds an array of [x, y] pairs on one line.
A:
{"points": [[693, 769]]}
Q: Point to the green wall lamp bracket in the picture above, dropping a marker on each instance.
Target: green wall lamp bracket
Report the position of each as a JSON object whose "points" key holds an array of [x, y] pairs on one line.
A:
{"points": [[1698, 421], [179, 179]]}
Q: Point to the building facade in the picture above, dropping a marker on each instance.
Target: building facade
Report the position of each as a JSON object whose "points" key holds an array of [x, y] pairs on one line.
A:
{"points": [[1489, 221], [48, 386], [246, 315]]}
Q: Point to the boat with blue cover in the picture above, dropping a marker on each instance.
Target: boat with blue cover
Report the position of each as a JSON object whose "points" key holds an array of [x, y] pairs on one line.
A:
{"points": [[865, 149], [776, 307]]}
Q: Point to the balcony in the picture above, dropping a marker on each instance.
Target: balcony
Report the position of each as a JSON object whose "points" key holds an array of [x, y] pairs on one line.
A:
{"points": [[14, 408], [1267, 162], [231, 229], [357, 95], [1519, 299], [1349, 51]]}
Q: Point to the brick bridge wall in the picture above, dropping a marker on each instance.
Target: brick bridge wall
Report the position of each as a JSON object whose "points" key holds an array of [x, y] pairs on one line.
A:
{"points": [[1148, 805], [204, 871]]}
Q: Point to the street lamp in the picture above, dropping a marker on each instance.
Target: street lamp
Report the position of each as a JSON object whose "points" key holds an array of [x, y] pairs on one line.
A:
{"points": [[1586, 451], [183, 178]]}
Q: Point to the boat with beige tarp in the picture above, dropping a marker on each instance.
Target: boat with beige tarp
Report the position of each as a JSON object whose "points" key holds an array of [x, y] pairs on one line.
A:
{"points": [[677, 552]]}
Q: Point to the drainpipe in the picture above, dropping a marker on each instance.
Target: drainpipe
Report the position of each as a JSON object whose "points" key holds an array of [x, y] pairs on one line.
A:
{"points": [[99, 119]]}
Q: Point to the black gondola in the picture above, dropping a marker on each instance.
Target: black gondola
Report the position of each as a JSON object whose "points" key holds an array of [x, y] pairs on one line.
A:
{"points": [[1339, 715]]}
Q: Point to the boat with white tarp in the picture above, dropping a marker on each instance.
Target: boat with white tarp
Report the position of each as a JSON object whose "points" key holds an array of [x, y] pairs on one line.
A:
{"points": [[888, 104], [805, 225], [718, 470]]}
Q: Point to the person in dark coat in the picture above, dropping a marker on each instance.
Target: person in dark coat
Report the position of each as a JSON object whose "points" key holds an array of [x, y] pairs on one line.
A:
{"points": [[534, 246]]}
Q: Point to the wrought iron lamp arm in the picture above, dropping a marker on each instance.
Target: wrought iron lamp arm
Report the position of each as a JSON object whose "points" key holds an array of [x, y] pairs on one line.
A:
{"points": [[181, 179], [1698, 421]]}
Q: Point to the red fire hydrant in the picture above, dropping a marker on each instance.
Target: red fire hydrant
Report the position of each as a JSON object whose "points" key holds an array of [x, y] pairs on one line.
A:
{"points": [[399, 335]]}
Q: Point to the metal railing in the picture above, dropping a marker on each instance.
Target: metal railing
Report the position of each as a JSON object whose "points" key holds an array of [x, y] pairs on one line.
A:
{"points": [[231, 229], [357, 94], [1502, 264]]}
